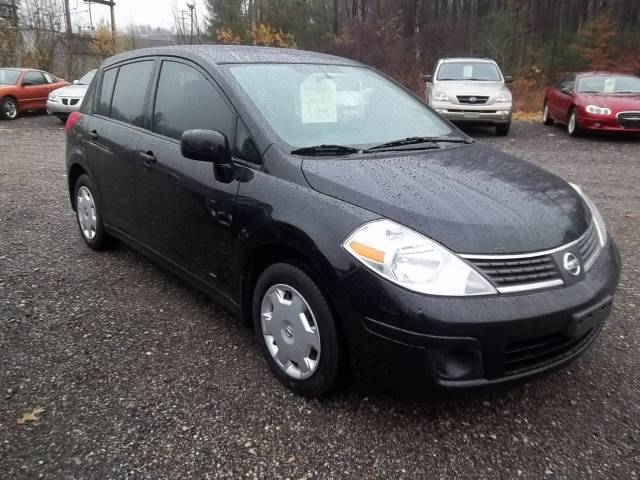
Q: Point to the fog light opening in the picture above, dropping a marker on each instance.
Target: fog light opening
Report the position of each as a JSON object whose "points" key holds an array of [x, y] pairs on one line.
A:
{"points": [[458, 364]]}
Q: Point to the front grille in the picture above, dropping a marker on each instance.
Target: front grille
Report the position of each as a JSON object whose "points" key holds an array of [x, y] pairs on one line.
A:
{"points": [[520, 357], [70, 101], [629, 119], [589, 246], [472, 99], [519, 271], [461, 110]]}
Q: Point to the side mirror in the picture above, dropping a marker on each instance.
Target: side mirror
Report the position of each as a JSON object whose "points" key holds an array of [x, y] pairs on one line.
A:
{"points": [[566, 90], [508, 79], [75, 82], [27, 83], [206, 146], [209, 146], [428, 78]]}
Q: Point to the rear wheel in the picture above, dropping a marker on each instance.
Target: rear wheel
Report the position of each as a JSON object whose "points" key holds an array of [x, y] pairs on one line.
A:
{"points": [[89, 216], [546, 118], [573, 127], [503, 129], [9, 109], [296, 330]]}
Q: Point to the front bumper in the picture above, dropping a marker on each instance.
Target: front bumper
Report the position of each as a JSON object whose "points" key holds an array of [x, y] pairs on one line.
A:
{"points": [[604, 124], [456, 343], [59, 109], [498, 113]]}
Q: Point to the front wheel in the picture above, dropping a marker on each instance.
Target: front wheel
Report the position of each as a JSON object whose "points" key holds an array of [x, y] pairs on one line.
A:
{"points": [[573, 127], [503, 129], [297, 331], [9, 109], [546, 118], [89, 216]]}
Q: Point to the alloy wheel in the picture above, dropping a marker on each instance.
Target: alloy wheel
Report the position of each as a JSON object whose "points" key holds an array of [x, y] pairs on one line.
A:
{"points": [[86, 210], [10, 109], [290, 331]]}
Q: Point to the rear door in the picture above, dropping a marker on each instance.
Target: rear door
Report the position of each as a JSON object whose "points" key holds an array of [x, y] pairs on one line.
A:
{"points": [[112, 137], [34, 92], [186, 213]]}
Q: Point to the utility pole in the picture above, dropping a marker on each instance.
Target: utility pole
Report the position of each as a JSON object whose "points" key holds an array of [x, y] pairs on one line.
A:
{"points": [[190, 6], [67, 16], [111, 4]]}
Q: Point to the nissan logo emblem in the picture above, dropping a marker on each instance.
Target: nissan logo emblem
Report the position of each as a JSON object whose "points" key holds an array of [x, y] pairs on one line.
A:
{"points": [[571, 264]]}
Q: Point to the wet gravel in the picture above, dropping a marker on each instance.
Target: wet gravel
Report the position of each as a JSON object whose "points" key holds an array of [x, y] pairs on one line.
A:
{"points": [[142, 377]]}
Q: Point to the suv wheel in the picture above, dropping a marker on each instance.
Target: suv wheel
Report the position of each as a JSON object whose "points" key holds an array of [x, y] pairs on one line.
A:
{"points": [[546, 118], [9, 109], [573, 128], [88, 215], [503, 129], [296, 330]]}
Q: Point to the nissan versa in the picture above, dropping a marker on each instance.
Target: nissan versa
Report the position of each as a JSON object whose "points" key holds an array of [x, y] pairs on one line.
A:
{"points": [[356, 229]]}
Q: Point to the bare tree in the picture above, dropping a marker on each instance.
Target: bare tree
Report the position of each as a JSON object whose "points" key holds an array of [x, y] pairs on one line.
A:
{"points": [[42, 22]]}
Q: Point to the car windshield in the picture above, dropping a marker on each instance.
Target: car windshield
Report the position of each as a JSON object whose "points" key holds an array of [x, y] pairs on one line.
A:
{"points": [[8, 77], [86, 78], [309, 105], [480, 71], [609, 84]]}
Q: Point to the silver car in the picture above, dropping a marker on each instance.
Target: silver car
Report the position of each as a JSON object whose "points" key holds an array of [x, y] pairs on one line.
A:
{"points": [[471, 90], [63, 101]]}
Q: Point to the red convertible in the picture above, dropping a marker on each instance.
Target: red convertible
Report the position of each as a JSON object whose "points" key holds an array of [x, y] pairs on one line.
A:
{"points": [[594, 101]]}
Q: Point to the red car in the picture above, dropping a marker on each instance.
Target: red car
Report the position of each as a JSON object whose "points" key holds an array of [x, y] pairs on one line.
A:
{"points": [[23, 89], [594, 101]]}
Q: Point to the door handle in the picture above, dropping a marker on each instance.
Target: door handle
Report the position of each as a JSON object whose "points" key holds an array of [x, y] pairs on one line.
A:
{"points": [[93, 135], [148, 157]]}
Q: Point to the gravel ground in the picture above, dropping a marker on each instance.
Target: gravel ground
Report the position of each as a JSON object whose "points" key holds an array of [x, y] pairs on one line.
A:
{"points": [[142, 377]]}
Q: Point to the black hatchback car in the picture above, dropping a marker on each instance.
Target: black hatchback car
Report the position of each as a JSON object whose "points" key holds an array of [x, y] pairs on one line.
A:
{"points": [[353, 227]]}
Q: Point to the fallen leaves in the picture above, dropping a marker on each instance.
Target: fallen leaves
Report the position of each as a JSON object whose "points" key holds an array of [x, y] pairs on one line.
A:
{"points": [[32, 416]]}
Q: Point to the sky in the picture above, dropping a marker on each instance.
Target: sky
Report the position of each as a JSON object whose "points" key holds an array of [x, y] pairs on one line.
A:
{"points": [[157, 13]]}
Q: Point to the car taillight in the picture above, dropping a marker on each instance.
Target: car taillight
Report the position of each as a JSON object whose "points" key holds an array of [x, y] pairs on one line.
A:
{"points": [[71, 121]]}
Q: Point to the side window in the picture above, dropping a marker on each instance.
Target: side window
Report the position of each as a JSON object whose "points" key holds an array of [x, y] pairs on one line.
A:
{"points": [[186, 100], [245, 147], [106, 91], [129, 93], [50, 78], [34, 78]]}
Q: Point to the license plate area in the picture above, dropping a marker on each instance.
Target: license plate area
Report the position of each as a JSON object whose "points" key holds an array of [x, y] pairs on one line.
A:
{"points": [[585, 320], [471, 116]]}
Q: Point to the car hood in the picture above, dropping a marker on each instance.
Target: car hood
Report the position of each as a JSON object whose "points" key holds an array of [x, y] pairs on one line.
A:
{"points": [[617, 103], [77, 91], [470, 87], [472, 199]]}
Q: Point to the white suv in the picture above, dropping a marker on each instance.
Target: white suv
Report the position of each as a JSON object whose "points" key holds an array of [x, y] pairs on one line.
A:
{"points": [[471, 90]]}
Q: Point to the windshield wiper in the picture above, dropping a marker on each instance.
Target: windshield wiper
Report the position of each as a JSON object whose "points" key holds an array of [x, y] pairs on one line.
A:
{"points": [[328, 150], [418, 140]]}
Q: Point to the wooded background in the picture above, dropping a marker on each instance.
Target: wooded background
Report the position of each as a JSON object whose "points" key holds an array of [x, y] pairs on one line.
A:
{"points": [[535, 40]]}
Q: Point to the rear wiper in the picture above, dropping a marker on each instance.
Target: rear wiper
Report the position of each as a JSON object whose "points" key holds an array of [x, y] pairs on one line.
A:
{"points": [[328, 150], [417, 140]]}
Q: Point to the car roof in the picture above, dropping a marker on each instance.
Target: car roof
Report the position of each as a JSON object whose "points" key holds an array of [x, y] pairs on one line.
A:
{"points": [[602, 72], [462, 59], [221, 54]]}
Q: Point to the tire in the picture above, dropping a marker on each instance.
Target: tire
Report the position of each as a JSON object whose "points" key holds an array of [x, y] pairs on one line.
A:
{"points": [[9, 109], [546, 118], [502, 129], [307, 357], [573, 127], [88, 215]]}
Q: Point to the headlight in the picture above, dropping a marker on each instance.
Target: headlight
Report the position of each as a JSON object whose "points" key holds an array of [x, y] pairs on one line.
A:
{"points": [[598, 110], [504, 97], [413, 261], [53, 98], [595, 213], [437, 96]]}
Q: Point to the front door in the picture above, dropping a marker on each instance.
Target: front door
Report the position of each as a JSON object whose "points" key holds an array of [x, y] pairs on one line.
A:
{"points": [[185, 212], [34, 92]]}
